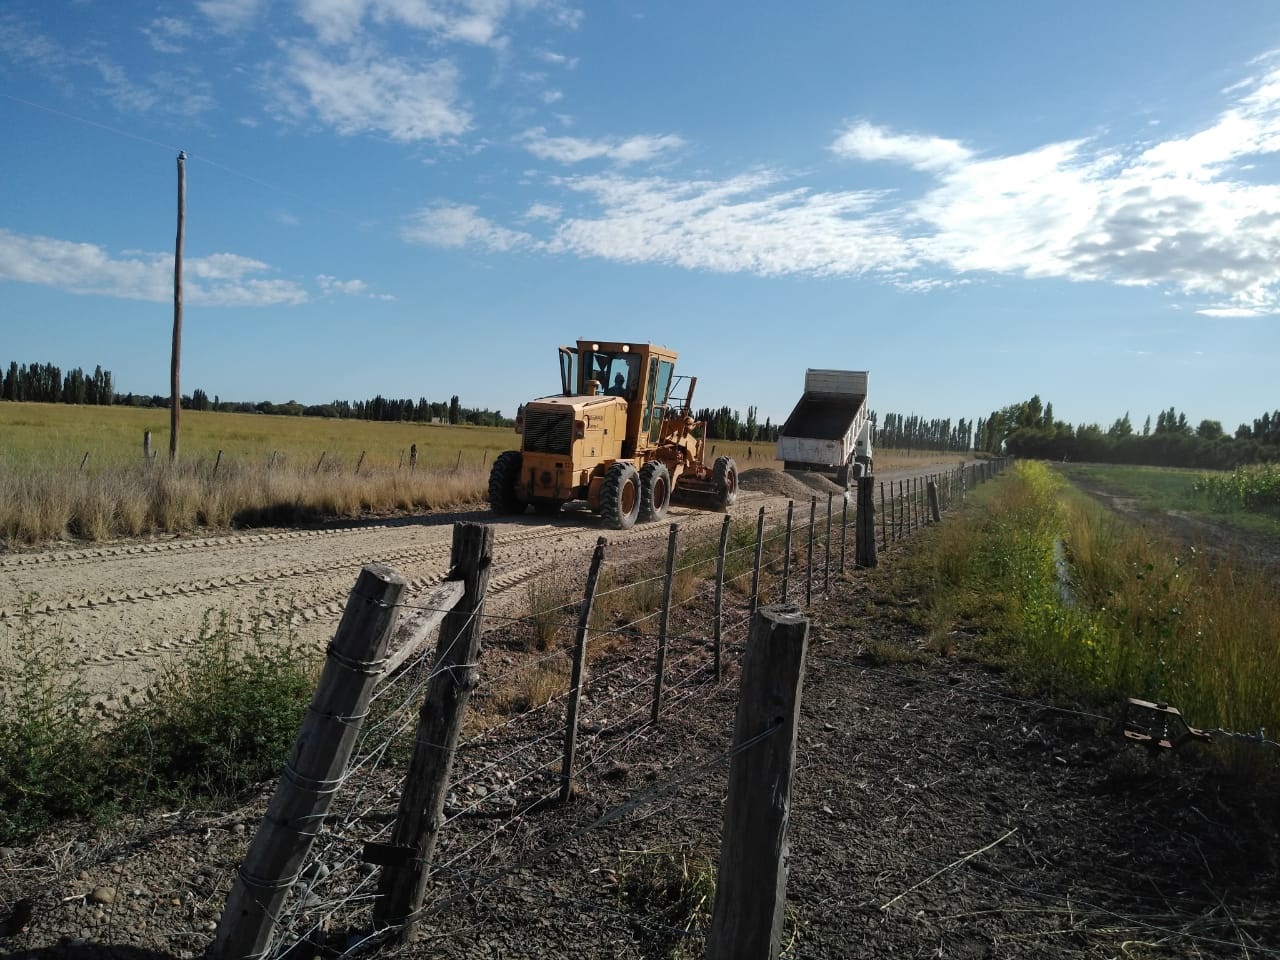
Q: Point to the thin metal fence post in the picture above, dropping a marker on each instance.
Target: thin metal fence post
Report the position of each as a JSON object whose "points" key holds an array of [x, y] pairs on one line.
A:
{"points": [[755, 573], [579, 665], [719, 623], [661, 666], [786, 555], [826, 552], [844, 528], [808, 566]]}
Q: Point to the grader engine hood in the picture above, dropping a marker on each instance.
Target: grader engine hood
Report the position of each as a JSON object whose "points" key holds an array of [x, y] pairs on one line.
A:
{"points": [[564, 439]]}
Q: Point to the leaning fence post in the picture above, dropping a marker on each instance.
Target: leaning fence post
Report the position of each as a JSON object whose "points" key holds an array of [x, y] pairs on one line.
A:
{"points": [[407, 858], [359, 463], [314, 770], [719, 624], [575, 682], [786, 556], [747, 920], [755, 572], [217, 463], [661, 666], [84, 461]]}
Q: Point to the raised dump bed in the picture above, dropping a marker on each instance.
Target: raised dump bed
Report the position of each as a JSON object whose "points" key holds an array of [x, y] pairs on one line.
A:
{"points": [[829, 431]]}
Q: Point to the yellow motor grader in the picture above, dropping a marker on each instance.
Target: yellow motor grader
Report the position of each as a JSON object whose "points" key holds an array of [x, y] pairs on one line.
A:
{"points": [[619, 436]]}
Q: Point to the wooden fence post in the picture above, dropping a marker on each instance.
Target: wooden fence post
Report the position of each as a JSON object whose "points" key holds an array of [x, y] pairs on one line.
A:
{"points": [[826, 552], [217, 463], [661, 666], [407, 858], [786, 555], [320, 461], [747, 921], [719, 623], [935, 510], [413, 457], [808, 566], [755, 572], [359, 463], [315, 767], [884, 530], [844, 528], [84, 461], [579, 665], [864, 533], [146, 446]]}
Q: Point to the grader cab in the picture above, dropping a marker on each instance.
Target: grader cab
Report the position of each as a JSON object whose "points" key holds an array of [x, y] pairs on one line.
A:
{"points": [[620, 436]]}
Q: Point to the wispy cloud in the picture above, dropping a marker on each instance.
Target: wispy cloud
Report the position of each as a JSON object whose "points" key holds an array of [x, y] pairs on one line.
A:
{"points": [[478, 22], [218, 280], [622, 151], [332, 286], [168, 34], [366, 93], [1188, 213], [229, 16], [461, 226]]}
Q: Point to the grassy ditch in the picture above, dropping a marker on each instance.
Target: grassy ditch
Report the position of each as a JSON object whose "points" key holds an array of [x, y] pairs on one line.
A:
{"points": [[1080, 603], [212, 728]]}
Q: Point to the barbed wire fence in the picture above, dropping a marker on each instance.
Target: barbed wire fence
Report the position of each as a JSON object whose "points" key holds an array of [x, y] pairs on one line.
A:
{"points": [[510, 770]]}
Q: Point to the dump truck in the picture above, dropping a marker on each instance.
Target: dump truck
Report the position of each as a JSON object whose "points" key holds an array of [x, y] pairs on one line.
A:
{"points": [[620, 436], [829, 432]]}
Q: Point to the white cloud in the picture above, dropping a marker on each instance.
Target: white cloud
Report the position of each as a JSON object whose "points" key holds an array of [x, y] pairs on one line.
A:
{"points": [[1191, 214], [864, 141], [228, 16], [477, 22], [222, 279], [461, 226], [370, 94], [166, 34], [636, 149], [330, 285]]}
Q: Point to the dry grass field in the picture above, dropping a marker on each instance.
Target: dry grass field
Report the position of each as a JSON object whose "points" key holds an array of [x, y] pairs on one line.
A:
{"points": [[79, 472]]}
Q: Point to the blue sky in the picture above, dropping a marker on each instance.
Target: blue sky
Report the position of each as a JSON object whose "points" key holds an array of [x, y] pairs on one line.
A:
{"points": [[974, 202]]}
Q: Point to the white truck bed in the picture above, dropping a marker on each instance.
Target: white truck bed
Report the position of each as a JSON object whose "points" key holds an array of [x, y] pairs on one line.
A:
{"points": [[823, 432]]}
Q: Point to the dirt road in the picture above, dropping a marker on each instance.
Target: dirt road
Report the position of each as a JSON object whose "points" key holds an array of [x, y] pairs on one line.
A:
{"points": [[125, 609]]}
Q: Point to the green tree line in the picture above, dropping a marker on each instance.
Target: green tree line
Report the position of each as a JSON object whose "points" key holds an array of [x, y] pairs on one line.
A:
{"points": [[46, 383], [1029, 429]]}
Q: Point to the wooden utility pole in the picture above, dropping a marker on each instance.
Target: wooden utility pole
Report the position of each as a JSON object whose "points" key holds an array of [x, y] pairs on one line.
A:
{"points": [[175, 390]]}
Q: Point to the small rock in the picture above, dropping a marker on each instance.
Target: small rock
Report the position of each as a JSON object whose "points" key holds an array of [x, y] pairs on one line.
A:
{"points": [[105, 895]]}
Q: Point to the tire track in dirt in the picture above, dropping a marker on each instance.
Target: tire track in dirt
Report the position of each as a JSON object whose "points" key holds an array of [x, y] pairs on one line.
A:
{"points": [[121, 612]]}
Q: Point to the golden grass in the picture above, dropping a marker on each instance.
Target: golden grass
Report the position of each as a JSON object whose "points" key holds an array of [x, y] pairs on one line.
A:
{"points": [[233, 470]]}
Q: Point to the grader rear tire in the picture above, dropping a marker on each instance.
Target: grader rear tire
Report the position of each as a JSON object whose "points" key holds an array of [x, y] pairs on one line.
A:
{"points": [[502, 484], [655, 491], [725, 476], [620, 496]]}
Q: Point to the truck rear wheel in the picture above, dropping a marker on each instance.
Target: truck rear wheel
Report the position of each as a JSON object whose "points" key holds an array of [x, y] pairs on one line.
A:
{"points": [[725, 476], [502, 484], [655, 491], [620, 496]]}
